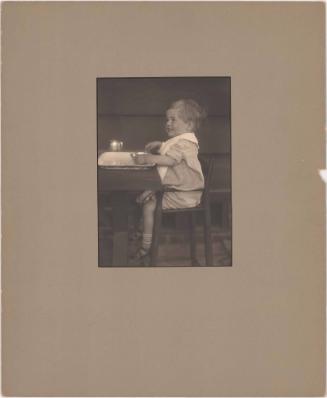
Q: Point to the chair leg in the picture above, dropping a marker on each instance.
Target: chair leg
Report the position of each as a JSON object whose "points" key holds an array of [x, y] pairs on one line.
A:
{"points": [[156, 230], [228, 252], [192, 225], [207, 237]]}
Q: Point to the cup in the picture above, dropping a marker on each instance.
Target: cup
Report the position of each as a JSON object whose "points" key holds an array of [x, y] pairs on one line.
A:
{"points": [[135, 154]]}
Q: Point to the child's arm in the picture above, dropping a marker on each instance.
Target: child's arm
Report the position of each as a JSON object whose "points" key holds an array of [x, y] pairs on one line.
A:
{"points": [[153, 146], [160, 160]]}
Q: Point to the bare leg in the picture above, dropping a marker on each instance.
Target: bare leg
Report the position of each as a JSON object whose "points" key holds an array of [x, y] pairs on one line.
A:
{"points": [[144, 196], [148, 216], [142, 256]]}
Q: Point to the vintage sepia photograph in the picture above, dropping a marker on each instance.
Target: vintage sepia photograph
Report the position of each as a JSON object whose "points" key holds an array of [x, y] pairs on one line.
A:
{"points": [[164, 171], [163, 217]]}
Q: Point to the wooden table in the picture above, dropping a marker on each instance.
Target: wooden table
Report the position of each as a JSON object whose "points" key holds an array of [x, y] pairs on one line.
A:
{"points": [[120, 184]]}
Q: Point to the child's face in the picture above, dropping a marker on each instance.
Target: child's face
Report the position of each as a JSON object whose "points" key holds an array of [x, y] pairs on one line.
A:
{"points": [[174, 124]]}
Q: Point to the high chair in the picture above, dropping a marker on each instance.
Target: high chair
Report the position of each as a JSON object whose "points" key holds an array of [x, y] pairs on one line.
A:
{"points": [[207, 163]]}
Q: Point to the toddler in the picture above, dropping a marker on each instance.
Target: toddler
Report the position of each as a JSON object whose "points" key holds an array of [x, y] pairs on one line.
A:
{"points": [[178, 166]]}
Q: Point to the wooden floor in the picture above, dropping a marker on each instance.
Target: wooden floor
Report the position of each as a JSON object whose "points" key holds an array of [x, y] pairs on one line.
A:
{"points": [[174, 249]]}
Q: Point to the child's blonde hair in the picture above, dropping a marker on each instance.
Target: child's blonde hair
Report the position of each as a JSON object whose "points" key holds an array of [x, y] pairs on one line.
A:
{"points": [[190, 111]]}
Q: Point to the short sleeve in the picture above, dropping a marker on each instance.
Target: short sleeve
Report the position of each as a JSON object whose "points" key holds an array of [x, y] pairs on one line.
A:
{"points": [[180, 150]]}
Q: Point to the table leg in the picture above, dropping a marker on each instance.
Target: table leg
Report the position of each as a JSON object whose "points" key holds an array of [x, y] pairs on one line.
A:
{"points": [[120, 229]]}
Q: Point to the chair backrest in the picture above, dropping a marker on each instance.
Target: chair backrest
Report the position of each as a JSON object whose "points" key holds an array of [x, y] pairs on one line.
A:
{"points": [[207, 165]]}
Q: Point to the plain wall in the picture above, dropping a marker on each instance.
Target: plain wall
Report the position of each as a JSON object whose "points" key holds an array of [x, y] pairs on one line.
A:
{"points": [[133, 110], [70, 328]]}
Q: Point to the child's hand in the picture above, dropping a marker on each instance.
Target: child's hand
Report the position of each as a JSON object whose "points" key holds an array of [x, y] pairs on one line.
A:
{"points": [[153, 146], [145, 158]]}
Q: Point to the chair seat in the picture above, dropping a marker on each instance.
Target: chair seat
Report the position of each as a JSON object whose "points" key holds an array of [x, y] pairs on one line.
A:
{"points": [[200, 207]]}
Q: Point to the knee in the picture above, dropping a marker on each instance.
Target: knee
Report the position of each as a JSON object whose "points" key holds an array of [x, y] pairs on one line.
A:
{"points": [[149, 206]]}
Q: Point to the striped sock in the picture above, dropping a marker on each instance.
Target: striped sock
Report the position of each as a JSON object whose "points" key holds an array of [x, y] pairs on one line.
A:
{"points": [[146, 241]]}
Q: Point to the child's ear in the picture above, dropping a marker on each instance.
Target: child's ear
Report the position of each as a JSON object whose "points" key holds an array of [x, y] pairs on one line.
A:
{"points": [[190, 125]]}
